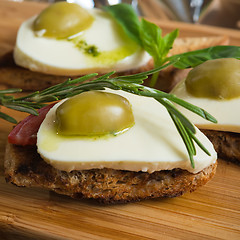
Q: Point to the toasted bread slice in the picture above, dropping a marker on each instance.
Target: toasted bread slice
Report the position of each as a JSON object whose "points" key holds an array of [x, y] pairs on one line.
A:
{"points": [[226, 144], [24, 167], [15, 76]]}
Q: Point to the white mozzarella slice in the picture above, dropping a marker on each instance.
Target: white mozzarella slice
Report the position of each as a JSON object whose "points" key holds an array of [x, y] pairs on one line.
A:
{"points": [[152, 144]]}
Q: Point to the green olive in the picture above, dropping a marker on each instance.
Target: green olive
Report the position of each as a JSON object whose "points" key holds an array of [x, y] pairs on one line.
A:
{"points": [[217, 79], [62, 19], [94, 113]]}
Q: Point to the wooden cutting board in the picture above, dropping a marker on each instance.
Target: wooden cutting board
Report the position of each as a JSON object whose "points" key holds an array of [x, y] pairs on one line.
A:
{"points": [[211, 212]]}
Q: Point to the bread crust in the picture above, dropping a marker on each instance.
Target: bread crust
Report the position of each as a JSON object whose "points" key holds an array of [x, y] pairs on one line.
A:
{"points": [[226, 144], [24, 167]]}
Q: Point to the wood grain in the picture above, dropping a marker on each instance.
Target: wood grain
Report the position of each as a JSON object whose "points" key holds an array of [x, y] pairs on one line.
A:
{"points": [[211, 212]]}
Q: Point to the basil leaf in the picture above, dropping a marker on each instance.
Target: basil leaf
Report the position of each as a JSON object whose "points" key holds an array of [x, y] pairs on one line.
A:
{"points": [[151, 38], [168, 41], [125, 15], [153, 42], [148, 35], [194, 58]]}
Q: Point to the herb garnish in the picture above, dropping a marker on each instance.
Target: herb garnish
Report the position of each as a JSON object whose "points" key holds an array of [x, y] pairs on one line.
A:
{"points": [[148, 35], [129, 83], [82, 45], [92, 50]]}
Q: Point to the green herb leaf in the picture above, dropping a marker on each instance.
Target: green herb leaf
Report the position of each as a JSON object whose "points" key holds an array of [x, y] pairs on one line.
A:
{"points": [[198, 142], [146, 34], [194, 58], [22, 108], [153, 42], [151, 38], [186, 137], [125, 15], [168, 41], [199, 111], [156, 45], [7, 118], [10, 90]]}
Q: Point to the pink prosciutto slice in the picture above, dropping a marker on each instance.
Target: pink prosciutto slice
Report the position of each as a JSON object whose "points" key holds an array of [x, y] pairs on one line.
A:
{"points": [[25, 133]]}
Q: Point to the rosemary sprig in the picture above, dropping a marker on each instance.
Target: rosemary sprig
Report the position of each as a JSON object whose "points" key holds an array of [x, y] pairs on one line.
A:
{"points": [[129, 83]]}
